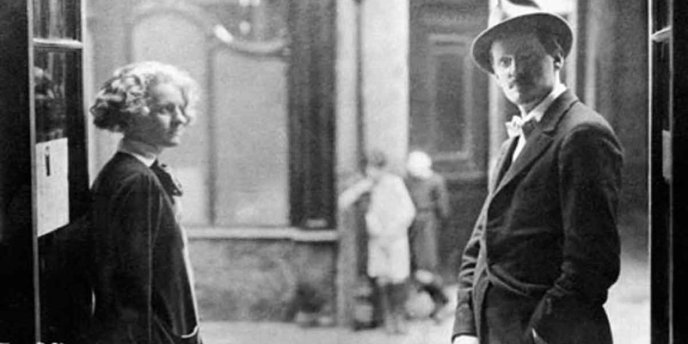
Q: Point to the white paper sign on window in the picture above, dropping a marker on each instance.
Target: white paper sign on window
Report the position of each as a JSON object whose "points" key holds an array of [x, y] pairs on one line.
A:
{"points": [[52, 185]]}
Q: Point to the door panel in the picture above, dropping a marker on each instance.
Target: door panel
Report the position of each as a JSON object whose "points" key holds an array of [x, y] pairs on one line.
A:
{"points": [[449, 111]]}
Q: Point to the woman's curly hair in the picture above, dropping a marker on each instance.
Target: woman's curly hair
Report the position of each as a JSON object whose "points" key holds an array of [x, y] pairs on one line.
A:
{"points": [[127, 93]]}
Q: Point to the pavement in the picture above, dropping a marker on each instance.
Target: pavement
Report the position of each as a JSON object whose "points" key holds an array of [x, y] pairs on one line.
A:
{"points": [[420, 332], [628, 308]]}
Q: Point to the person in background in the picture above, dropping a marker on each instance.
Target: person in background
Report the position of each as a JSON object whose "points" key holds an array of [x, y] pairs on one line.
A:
{"points": [[545, 248], [429, 194], [143, 281], [389, 214], [388, 218]]}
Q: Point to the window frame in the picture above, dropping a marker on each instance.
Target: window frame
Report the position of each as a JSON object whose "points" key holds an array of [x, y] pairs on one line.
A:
{"points": [[668, 129], [19, 137]]}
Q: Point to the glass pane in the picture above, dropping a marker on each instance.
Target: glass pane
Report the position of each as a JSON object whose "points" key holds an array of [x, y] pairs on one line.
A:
{"points": [[251, 124], [51, 89], [660, 12], [55, 18], [61, 189], [55, 96]]}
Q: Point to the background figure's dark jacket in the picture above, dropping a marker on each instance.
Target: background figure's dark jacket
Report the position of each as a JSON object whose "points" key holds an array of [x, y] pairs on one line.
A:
{"points": [[143, 291], [431, 199], [547, 233]]}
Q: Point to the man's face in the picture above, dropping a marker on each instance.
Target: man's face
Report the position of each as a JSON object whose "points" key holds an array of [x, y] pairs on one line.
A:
{"points": [[523, 69], [164, 124]]}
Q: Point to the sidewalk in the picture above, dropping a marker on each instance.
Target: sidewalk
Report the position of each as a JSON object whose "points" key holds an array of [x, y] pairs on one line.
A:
{"points": [[420, 332], [628, 308]]}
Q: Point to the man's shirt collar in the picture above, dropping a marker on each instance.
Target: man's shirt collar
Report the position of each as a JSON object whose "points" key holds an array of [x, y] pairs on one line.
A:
{"points": [[539, 110]]}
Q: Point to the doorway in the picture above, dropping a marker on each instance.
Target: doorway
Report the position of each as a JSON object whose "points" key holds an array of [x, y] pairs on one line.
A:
{"points": [[448, 107]]}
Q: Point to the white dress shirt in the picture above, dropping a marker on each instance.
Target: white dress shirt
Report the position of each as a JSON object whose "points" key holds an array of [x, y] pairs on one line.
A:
{"points": [[536, 114]]}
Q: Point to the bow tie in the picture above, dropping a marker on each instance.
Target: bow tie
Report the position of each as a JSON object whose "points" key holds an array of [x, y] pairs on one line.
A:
{"points": [[167, 179], [518, 126]]}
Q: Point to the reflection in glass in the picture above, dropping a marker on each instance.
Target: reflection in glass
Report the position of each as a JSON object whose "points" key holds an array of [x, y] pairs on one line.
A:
{"points": [[51, 89], [55, 18], [61, 194]]}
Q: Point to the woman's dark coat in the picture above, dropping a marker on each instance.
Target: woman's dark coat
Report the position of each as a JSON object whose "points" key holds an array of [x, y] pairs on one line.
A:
{"points": [[142, 282]]}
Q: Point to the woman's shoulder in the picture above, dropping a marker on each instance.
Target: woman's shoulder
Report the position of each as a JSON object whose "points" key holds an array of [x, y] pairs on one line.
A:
{"points": [[123, 169]]}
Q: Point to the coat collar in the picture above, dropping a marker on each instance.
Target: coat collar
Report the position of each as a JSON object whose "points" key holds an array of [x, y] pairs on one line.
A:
{"points": [[503, 162], [556, 111], [538, 140]]}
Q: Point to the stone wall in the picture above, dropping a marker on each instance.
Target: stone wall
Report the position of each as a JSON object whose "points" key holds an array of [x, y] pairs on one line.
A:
{"points": [[258, 279]]}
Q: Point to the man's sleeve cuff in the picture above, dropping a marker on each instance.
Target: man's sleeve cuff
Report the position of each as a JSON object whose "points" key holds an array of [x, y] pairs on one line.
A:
{"points": [[463, 321]]}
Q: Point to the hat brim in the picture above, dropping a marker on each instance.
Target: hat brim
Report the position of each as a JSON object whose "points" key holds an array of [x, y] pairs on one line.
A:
{"points": [[532, 22]]}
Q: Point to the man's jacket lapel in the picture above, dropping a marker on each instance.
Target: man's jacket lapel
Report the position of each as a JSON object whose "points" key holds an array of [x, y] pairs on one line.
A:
{"points": [[503, 163], [539, 139]]}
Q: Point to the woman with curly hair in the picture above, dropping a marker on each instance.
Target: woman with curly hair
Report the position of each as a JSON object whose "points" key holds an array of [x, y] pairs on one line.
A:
{"points": [[142, 279]]}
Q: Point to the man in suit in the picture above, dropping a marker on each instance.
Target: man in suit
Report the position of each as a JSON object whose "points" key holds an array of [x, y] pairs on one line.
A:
{"points": [[545, 248], [143, 282]]}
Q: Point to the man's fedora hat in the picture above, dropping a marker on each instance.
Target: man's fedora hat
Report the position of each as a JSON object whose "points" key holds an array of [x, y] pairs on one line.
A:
{"points": [[510, 17]]}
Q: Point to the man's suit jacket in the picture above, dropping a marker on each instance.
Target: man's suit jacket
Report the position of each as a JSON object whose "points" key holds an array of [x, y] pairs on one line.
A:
{"points": [[545, 248], [143, 291]]}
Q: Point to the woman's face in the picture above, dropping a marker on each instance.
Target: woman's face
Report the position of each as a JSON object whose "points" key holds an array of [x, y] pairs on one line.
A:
{"points": [[166, 120]]}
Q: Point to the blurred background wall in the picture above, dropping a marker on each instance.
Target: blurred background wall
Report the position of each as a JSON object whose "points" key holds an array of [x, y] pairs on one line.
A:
{"points": [[295, 91]]}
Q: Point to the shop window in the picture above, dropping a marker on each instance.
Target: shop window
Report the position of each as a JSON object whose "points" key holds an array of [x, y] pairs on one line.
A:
{"points": [[250, 102], [44, 177], [61, 174]]}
